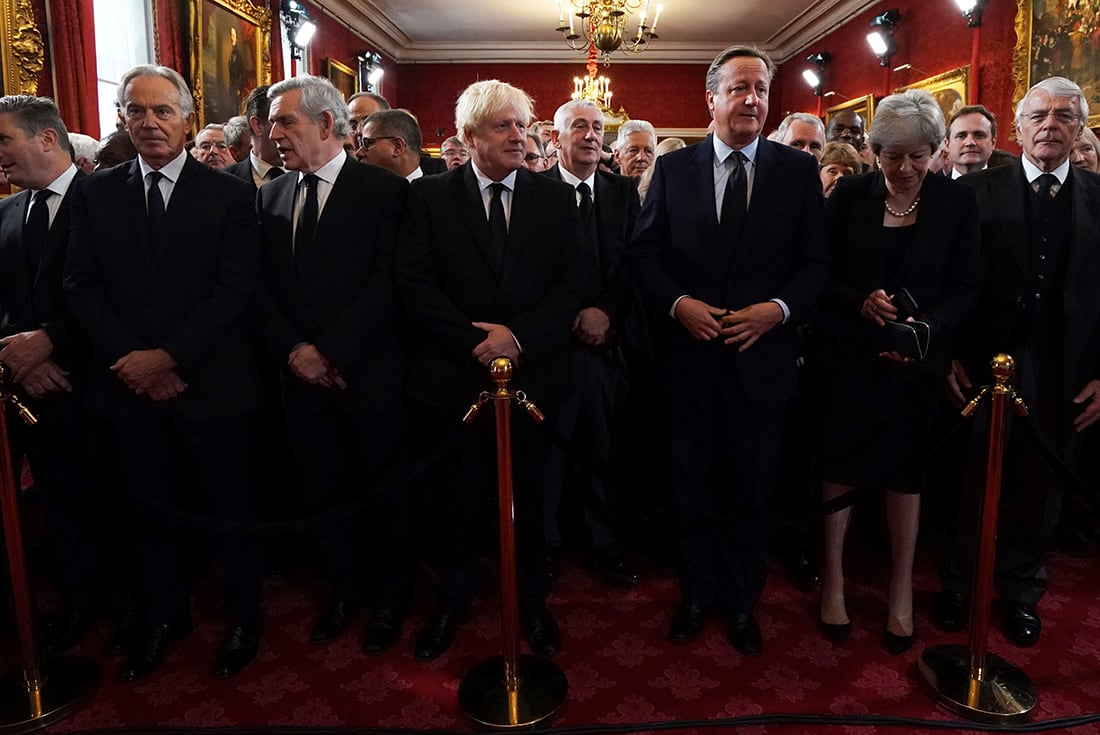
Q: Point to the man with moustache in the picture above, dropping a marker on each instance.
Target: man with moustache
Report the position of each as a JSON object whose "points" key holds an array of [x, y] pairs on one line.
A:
{"points": [[1040, 222], [730, 247], [330, 315], [161, 272], [489, 266]]}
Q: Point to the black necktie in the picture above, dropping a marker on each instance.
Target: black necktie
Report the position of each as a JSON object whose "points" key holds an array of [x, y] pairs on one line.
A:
{"points": [[1046, 182], [735, 197], [307, 221], [498, 223], [155, 203], [273, 173], [36, 230], [588, 223], [586, 203]]}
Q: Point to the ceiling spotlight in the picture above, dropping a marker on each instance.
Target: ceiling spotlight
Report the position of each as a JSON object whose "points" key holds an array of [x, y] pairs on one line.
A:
{"points": [[881, 38], [815, 77], [972, 11], [300, 28]]}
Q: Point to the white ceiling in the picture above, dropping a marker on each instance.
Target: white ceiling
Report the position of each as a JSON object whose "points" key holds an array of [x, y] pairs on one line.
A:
{"points": [[444, 31]]}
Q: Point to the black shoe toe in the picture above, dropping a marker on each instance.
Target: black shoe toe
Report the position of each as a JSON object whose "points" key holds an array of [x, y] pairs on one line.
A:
{"points": [[744, 634], [1022, 623], [542, 632], [687, 623], [383, 631], [333, 622], [436, 637], [238, 649]]}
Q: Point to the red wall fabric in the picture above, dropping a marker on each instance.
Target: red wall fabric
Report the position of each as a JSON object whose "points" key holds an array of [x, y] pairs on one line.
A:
{"points": [[171, 33]]}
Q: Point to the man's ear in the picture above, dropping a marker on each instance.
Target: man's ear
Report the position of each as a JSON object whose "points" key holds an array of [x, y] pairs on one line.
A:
{"points": [[399, 146]]}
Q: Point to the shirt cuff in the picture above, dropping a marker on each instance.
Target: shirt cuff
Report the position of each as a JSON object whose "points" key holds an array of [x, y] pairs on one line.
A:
{"points": [[672, 311], [783, 306]]}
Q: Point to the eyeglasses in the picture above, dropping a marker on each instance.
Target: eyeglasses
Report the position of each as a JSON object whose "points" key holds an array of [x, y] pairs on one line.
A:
{"points": [[207, 146], [368, 143], [532, 157], [1065, 117], [454, 154], [160, 112]]}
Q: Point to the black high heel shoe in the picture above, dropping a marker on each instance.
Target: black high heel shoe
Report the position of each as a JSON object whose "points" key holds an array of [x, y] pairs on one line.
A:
{"points": [[898, 644], [835, 632]]}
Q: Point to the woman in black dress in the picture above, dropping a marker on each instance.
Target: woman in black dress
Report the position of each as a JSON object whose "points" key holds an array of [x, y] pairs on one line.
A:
{"points": [[892, 229]]}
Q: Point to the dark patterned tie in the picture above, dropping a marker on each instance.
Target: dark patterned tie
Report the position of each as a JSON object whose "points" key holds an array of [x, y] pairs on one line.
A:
{"points": [[1046, 184], [735, 197], [155, 204], [36, 230], [498, 224], [307, 221]]}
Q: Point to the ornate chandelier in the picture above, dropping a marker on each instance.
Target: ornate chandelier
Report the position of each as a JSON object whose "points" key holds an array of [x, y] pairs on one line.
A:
{"points": [[603, 24], [593, 89]]}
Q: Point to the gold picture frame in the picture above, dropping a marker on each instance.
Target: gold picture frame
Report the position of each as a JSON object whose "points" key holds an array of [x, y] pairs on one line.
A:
{"points": [[23, 51], [862, 106], [950, 90], [230, 55], [1056, 44], [343, 77]]}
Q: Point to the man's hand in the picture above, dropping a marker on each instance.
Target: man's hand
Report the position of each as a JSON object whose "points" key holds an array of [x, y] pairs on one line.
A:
{"points": [[141, 369], [45, 378], [956, 380], [591, 326], [698, 318], [169, 387], [747, 325], [1090, 397], [499, 342], [25, 351], [308, 364]]}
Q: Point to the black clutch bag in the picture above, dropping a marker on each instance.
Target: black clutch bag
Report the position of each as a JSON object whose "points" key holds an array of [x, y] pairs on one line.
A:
{"points": [[908, 339]]}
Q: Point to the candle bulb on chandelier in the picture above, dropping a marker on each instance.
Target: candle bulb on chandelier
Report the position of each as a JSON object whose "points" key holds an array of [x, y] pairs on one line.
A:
{"points": [[571, 31], [657, 17], [561, 15]]}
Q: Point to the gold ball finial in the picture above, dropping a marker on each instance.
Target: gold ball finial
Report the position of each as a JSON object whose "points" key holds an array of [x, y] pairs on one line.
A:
{"points": [[1003, 366], [501, 369]]}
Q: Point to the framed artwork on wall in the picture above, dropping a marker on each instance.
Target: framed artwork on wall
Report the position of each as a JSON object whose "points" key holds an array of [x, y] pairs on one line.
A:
{"points": [[23, 52], [230, 55], [862, 106], [950, 89], [343, 77], [1057, 39]]}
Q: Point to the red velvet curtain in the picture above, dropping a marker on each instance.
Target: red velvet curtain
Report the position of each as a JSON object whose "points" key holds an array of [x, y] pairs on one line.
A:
{"points": [[169, 36], [73, 34]]}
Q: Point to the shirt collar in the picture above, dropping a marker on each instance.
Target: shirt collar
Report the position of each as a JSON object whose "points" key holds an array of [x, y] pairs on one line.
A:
{"points": [[1032, 172], [171, 170], [330, 170], [60, 185], [415, 174], [568, 177], [259, 165], [722, 151], [483, 181]]}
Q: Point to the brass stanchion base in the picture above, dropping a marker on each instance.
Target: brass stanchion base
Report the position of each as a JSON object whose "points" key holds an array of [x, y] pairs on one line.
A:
{"points": [[67, 681], [485, 699], [1005, 694]]}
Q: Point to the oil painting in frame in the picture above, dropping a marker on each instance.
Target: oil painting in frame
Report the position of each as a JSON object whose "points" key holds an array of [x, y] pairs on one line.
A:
{"points": [[950, 89], [1057, 38], [230, 44], [343, 77]]}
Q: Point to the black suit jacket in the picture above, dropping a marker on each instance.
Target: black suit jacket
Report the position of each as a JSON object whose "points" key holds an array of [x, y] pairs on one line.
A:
{"points": [[343, 302], [1002, 319], [243, 171], [27, 303], [781, 253], [431, 165], [189, 294], [942, 275], [446, 280]]}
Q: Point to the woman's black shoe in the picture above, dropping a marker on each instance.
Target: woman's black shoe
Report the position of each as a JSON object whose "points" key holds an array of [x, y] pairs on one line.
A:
{"points": [[836, 632], [898, 644]]}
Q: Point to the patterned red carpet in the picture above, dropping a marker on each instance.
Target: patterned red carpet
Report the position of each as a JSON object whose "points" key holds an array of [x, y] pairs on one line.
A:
{"points": [[622, 674]]}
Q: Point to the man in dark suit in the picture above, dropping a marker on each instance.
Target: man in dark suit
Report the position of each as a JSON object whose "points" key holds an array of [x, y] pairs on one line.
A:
{"points": [[161, 271], [330, 314], [730, 245], [263, 163], [44, 348], [489, 266], [1040, 221], [609, 205]]}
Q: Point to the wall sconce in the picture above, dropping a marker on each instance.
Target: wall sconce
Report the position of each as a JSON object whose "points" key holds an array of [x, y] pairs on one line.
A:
{"points": [[370, 71], [972, 11], [816, 77], [881, 39], [299, 27]]}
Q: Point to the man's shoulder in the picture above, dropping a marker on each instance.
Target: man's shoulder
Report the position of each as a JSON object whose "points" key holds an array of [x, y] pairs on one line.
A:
{"points": [[356, 173], [991, 177], [13, 201], [241, 169]]}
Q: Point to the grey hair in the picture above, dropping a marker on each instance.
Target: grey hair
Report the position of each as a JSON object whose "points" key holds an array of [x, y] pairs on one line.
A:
{"points": [[397, 122], [731, 53], [83, 146], [637, 126], [382, 102], [564, 113], [236, 128], [781, 131], [34, 114], [1057, 87], [318, 97], [187, 102], [454, 139], [539, 145], [911, 117], [481, 100]]}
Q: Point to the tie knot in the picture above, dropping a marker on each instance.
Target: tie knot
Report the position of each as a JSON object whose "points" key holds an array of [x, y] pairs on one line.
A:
{"points": [[498, 188], [155, 177], [584, 189], [736, 159], [1046, 181], [42, 195], [310, 180], [273, 173]]}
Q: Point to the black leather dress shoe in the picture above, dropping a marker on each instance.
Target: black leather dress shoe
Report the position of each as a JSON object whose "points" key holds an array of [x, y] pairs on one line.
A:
{"points": [[744, 634], [436, 637], [126, 631], [950, 611], [333, 622], [803, 570], [542, 632], [616, 571], [384, 630], [61, 635], [238, 649], [150, 648], [1022, 623], [687, 623]]}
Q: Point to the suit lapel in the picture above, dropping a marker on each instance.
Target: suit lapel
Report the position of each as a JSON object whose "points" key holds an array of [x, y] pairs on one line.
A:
{"points": [[134, 194], [766, 185], [701, 174], [523, 222], [11, 239], [283, 206], [470, 203], [1010, 206], [59, 231], [340, 199], [1084, 206]]}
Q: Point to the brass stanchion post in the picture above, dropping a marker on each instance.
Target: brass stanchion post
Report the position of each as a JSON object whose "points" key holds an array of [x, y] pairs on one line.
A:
{"points": [[43, 692], [511, 690], [970, 680]]}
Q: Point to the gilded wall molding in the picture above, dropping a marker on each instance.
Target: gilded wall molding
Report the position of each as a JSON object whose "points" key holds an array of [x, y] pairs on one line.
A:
{"points": [[23, 54]]}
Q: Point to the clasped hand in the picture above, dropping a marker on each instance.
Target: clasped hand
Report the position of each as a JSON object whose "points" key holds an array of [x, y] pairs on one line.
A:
{"points": [[879, 307], [744, 326]]}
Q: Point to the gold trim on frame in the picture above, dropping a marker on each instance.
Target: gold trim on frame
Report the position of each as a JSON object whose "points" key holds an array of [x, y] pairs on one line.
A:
{"points": [[257, 16], [957, 80], [864, 106], [1021, 56], [334, 70], [23, 51]]}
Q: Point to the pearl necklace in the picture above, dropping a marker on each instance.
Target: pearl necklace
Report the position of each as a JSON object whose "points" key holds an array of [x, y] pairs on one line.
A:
{"points": [[901, 215]]}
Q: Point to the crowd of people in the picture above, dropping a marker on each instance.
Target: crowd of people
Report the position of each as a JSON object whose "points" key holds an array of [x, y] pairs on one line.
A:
{"points": [[287, 317]]}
